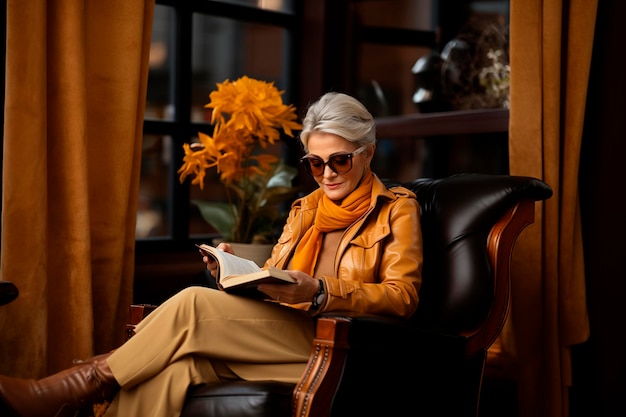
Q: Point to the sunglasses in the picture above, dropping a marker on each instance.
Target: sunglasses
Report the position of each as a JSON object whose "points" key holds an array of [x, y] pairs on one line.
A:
{"points": [[340, 162]]}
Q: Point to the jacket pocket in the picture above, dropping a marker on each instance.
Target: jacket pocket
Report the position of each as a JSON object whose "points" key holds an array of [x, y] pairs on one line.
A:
{"points": [[370, 237], [361, 260]]}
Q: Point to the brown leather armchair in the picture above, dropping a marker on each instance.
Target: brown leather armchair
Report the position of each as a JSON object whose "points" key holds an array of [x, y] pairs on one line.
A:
{"points": [[8, 292], [433, 363]]}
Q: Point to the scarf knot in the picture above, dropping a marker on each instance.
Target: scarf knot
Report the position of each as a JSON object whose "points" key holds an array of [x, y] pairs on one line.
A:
{"points": [[329, 217]]}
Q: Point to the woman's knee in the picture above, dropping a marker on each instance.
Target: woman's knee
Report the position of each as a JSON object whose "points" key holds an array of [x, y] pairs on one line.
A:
{"points": [[194, 291]]}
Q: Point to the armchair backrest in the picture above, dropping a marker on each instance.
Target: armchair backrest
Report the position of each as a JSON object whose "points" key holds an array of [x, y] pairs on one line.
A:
{"points": [[470, 223], [457, 215]]}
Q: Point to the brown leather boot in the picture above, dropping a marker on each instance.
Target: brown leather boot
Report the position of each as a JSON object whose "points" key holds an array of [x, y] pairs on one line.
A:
{"points": [[60, 394], [93, 358]]}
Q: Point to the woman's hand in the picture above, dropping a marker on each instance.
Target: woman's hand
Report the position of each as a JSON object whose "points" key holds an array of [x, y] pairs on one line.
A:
{"points": [[302, 291], [211, 264]]}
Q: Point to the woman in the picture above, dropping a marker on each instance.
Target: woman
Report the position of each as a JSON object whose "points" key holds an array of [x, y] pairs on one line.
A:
{"points": [[352, 245]]}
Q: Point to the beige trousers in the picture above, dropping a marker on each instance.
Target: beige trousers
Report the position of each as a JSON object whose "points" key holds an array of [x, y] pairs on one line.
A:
{"points": [[203, 335]]}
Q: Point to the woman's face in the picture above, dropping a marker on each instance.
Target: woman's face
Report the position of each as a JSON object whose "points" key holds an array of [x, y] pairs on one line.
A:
{"points": [[324, 146]]}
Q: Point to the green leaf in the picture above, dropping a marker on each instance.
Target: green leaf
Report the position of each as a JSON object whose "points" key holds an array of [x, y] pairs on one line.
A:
{"points": [[279, 188], [257, 199], [283, 175], [219, 215], [277, 195]]}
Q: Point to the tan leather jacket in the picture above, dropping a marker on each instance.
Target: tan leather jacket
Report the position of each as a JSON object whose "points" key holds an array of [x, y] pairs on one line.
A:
{"points": [[379, 261]]}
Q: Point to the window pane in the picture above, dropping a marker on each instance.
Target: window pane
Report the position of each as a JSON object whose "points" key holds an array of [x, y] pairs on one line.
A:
{"points": [[276, 5], [153, 210], [404, 14], [160, 102], [227, 49]]}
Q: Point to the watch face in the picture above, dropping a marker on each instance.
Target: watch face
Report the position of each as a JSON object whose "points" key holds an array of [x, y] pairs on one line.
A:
{"points": [[319, 297]]}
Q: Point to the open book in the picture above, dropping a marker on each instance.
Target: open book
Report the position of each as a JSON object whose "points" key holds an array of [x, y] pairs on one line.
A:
{"points": [[237, 273]]}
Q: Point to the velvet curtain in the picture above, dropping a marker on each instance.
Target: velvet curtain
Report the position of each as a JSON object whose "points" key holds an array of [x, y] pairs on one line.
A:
{"points": [[75, 96], [551, 45]]}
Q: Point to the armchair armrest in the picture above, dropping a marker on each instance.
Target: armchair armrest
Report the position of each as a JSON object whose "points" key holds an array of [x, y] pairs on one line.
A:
{"points": [[500, 245], [314, 392], [8, 292], [356, 361]]}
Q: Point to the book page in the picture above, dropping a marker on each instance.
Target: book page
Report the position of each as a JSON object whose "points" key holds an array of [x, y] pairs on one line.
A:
{"points": [[229, 264], [270, 276]]}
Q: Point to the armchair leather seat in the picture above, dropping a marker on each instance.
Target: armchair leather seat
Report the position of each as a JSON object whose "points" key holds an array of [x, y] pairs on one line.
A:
{"points": [[241, 399], [8, 292]]}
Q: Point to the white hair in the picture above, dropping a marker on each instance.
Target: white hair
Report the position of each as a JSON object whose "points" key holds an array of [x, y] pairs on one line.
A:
{"points": [[342, 115]]}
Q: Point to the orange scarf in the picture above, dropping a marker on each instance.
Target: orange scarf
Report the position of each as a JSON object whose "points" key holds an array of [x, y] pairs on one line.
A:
{"points": [[329, 217]]}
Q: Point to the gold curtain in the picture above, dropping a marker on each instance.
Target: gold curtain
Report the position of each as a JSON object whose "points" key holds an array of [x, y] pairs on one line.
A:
{"points": [[551, 44], [75, 96]]}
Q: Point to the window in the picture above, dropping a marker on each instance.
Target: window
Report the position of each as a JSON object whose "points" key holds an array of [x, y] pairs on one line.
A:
{"points": [[196, 44]]}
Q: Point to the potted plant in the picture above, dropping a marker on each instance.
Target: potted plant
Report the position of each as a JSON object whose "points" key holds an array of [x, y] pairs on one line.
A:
{"points": [[248, 116]]}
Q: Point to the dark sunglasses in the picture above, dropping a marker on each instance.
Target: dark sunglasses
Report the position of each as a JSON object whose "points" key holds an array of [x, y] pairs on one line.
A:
{"points": [[340, 162]]}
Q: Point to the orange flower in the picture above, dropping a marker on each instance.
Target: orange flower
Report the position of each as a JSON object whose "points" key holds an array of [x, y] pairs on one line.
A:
{"points": [[248, 115], [254, 108]]}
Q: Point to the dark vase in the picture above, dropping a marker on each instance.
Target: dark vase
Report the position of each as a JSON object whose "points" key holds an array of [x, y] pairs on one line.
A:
{"points": [[429, 96]]}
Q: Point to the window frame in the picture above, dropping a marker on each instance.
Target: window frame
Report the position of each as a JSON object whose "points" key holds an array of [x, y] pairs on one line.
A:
{"points": [[182, 128]]}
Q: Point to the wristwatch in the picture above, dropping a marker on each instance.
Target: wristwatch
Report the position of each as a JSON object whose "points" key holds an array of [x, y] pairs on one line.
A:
{"points": [[318, 298]]}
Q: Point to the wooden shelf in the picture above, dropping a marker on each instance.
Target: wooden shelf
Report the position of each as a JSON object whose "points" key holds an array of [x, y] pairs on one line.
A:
{"points": [[444, 123], [396, 36]]}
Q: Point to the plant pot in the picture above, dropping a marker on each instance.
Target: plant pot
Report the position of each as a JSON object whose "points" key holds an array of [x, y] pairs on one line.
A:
{"points": [[257, 252]]}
